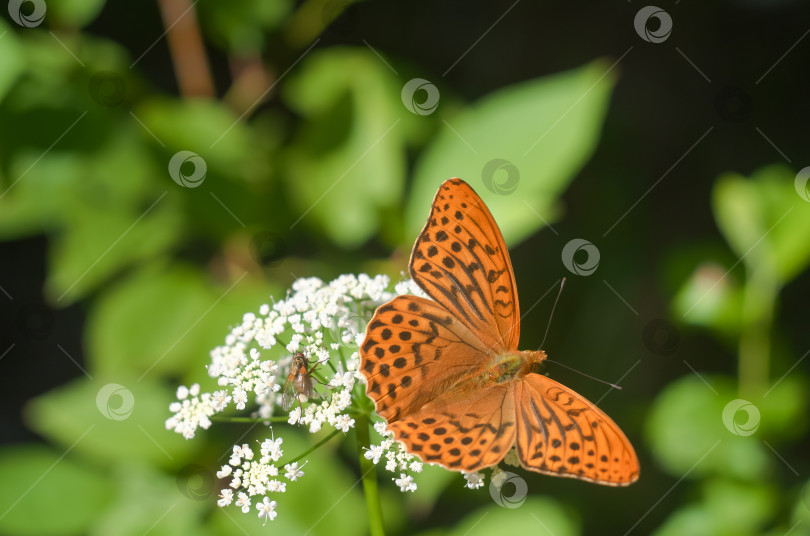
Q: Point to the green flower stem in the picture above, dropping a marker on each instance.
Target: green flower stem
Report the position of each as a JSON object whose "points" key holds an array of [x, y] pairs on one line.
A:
{"points": [[369, 476], [282, 418], [759, 302], [312, 448]]}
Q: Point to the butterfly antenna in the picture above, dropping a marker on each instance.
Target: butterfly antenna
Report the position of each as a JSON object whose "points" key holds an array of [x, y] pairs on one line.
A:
{"points": [[552, 312], [619, 387]]}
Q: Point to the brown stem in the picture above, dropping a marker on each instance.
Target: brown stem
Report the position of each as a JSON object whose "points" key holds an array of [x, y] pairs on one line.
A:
{"points": [[186, 48]]}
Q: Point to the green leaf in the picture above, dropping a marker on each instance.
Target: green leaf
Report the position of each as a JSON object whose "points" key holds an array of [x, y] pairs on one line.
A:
{"points": [[538, 515], [13, 62], [74, 12], [211, 130], [347, 163], [710, 297], [110, 419], [526, 141], [48, 492], [242, 26], [687, 434], [152, 502], [166, 320], [726, 508], [762, 219]]}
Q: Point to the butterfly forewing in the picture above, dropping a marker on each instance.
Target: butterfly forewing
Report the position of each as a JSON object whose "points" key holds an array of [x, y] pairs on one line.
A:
{"points": [[460, 261], [561, 433], [414, 349], [462, 431]]}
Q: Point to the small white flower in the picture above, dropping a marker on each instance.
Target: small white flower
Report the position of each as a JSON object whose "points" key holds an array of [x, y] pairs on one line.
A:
{"points": [[272, 448], [294, 472], [225, 471], [226, 497], [374, 453], [344, 423], [405, 482], [474, 480], [244, 501], [240, 397], [182, 392], [267, 509]]}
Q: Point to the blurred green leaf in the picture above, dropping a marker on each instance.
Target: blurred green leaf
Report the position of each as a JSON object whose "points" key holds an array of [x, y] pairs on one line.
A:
{"points": [[712, 298], [347, 163], [687, 434], [80, 409], [241, 26], [211, 130], [761, 219], [538, 515], [98, 243], [74, 12], [12, 53], [48, 492], [152, 502], [140, 323], [560, 115], [727, 508], [166, 319]]}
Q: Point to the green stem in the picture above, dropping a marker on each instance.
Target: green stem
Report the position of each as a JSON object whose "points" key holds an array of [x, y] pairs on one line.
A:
{"points": [[759, 302], [250, 419], [369, 476], [312, 448]]}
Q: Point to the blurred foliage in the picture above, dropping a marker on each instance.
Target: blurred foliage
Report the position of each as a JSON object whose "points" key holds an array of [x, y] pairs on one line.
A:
{"points": [[329, 159]]}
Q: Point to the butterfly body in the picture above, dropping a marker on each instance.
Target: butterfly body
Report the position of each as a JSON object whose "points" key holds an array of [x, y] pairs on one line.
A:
{"points": [[506, 367], [446, 375]]}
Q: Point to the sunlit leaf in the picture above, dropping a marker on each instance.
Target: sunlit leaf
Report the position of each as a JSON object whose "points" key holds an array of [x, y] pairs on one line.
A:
{"points": [[518, 147], [115, 419], [39, 479]]}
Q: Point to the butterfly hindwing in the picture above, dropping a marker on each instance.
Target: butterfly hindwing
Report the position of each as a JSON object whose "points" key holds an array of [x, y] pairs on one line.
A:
{"points": [[561, 433], [461, 261], [462, 430]]}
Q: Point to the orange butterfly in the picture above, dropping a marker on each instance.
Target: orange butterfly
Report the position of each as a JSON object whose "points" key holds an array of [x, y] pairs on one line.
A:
{"points": [[446, 373]]}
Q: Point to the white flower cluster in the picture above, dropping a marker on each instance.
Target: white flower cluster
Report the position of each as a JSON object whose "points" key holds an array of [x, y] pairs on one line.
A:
{"points": [[325, 322], [319, 320], [256, 477], [397, 459]]}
